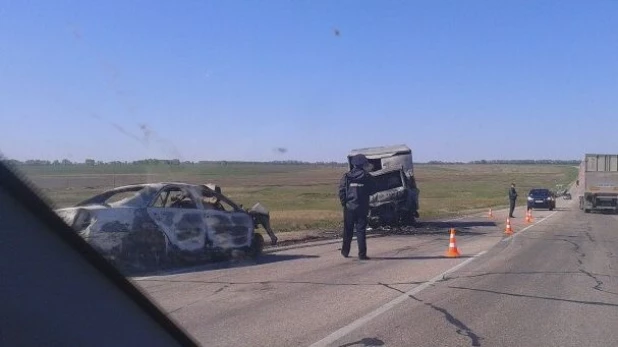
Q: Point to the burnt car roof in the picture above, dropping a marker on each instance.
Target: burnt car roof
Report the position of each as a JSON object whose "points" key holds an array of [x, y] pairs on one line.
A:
{"points": [[145, 192], [160, 185], [382, 151], [157, 185]]}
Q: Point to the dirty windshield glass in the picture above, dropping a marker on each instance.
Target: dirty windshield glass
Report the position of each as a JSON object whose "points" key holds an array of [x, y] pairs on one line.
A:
{"points": [[330, 173], [130, 196]]}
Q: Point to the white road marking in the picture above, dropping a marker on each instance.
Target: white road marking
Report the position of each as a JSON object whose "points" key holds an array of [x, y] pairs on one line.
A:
{"points": [[389, 305], [512, 237]]}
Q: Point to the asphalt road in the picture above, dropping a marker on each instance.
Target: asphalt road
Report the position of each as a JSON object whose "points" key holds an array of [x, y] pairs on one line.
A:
{"points": [[553, 283]]}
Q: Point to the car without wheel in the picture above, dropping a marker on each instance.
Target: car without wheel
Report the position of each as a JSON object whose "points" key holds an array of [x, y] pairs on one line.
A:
{"points": [[145, 225]]}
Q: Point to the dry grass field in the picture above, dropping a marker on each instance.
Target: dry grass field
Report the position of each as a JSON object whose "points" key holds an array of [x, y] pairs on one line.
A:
{"points": [[304, 196]]}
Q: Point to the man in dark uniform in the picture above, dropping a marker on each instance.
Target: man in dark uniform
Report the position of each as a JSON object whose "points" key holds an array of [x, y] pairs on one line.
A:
{"points": [[355, 188], [512, 199]]}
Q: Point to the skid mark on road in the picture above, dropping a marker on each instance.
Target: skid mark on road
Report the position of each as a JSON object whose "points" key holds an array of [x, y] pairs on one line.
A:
{"points": [[461, 328], [523, 273], [576, 249], [587, 231], [183, 307], [389, 305], [580, 260], [367, 341], [221, 289], [599, 282], [582, 302]]}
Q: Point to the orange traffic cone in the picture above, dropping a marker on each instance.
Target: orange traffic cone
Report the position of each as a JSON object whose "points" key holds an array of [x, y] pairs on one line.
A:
{"points": [[508, 229], [528, 216], [491, 213], [452, 251]]}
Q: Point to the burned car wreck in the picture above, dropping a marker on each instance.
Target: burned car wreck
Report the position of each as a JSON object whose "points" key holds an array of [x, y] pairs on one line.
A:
{"points": [[145, 225], [395, 200]]}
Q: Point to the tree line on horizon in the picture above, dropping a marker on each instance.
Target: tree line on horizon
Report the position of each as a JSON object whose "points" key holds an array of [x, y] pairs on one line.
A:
{"points": [[512, 161], [177, 162]]}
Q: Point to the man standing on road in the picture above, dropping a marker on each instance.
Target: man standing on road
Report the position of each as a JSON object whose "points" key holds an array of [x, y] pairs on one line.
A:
{"points": [[512, 199], [355, 188]]}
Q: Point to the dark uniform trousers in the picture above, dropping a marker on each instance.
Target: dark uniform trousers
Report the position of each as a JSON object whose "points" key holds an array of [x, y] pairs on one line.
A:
{"points": [[512, 207], [354, 220]]}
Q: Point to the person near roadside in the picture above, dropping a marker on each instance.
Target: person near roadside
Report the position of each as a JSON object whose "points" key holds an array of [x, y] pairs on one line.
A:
{"points": [[355, 187], [512, 200]]}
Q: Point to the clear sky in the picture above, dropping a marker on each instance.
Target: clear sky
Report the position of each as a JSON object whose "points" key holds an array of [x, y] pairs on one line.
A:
{"points": [[271, 80]]}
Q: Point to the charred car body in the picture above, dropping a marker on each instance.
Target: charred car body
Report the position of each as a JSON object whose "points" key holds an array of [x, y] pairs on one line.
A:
{"points": [[395, 201], [153, 224]]}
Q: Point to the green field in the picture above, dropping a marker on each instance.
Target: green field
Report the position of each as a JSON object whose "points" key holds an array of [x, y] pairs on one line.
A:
{"points": [[305, 196]]}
